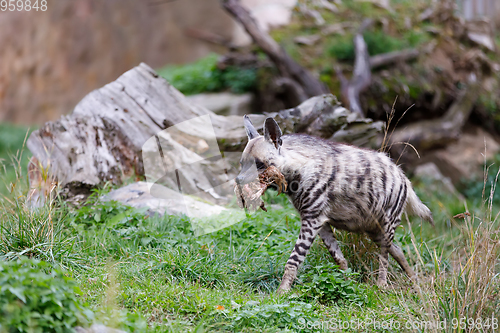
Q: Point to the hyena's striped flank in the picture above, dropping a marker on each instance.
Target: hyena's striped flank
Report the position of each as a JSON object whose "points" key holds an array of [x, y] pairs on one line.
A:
{"points": [[334, 185]]}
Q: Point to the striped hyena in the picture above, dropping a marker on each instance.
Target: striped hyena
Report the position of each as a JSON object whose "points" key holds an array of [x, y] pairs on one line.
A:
{"points": [[334, 185]]}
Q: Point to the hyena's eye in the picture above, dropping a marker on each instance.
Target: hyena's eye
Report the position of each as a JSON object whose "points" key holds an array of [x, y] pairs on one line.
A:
{"points": [[259, 164]]}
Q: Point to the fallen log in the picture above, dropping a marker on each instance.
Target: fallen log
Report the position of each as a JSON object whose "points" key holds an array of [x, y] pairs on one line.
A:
{"points": [[434, 133], [141, 125], [103, 138]]}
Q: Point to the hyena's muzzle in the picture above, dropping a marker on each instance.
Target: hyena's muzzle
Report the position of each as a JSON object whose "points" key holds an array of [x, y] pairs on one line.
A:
{"points": [[248, 173], [253, 180]]}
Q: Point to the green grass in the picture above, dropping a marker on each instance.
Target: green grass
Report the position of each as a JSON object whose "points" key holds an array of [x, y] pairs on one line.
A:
{"points": [[150, 273], [11, 139]]}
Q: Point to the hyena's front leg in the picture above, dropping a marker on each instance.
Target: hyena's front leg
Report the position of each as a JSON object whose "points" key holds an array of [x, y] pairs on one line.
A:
{"points": [[308, 231]]}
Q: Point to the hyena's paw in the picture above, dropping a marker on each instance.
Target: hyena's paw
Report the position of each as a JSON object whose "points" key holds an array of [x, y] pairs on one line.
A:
{"points": [[281, 291], [342, 264], [287, 280], [284, 287], [382, 284]]}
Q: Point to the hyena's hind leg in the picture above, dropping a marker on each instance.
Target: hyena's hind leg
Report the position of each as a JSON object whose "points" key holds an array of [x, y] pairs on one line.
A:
{"points": [[397, 254], [384, 238], [328, 238], [396, 251]]}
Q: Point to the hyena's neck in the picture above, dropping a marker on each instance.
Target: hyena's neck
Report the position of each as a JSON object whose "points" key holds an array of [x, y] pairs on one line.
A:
{"points": [[294, 156], [292, 164], [304, 159]]}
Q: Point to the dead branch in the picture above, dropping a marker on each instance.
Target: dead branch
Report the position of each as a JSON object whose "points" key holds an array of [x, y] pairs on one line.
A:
{"points": [[362, 75], [392, 57], [287, 67]]}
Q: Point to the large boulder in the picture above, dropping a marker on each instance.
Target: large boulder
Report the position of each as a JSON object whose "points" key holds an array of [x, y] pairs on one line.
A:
{"points": [[465, 158]]}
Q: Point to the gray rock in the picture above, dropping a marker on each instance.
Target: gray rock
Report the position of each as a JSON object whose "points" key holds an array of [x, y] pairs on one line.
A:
{"points": [[162, 200], [431, 171]]}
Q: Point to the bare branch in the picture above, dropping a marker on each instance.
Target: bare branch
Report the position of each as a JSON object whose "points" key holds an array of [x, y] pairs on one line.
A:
{"points": [[392, 57], [287, 66]]}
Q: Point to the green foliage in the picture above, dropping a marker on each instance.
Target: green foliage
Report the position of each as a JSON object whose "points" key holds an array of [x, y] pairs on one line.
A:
{"points": [[108, 214], [204, 76], [187, 264], [194, 78], [239, 80], [341, 48], [151, 273], [11, 139], [111, 228], [121, 319], [414, 38], [35, 297], [378, 42], [264, 277], [327, 283], [290, 316]]}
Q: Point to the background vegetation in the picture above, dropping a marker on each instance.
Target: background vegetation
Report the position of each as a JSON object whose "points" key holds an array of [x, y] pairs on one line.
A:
{"points": [[205, 76]]}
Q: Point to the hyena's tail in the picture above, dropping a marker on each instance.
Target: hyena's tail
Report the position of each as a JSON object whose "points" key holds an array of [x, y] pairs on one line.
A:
{"points": [[415, 207]]}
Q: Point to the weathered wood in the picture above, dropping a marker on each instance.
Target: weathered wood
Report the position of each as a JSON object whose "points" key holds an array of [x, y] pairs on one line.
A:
{"points": [[287, 67], [102, 140]]}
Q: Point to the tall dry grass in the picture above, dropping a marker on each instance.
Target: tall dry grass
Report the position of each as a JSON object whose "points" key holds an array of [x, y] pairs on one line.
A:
{"points": [[466, 297]]}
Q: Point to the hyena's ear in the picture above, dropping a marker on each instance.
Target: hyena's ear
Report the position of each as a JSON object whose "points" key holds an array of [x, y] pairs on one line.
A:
{"points": [[272, 132], [251, 131]]}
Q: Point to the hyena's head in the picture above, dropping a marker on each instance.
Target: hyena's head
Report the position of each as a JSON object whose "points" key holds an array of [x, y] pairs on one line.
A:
{"points": [[260, 152]]}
